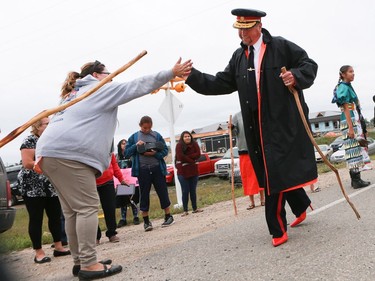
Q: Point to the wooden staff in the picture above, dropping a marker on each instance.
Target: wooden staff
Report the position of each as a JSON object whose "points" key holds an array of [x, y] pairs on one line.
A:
{"points": [[232, 163], [307, 128], [47, 112]]}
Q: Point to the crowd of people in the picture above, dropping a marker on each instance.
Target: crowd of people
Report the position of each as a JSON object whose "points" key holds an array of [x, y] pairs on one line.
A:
{"points": [[77, 165]]}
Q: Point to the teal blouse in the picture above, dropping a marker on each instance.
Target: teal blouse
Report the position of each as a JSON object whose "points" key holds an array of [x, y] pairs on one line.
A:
{"points": [[345, 94]]}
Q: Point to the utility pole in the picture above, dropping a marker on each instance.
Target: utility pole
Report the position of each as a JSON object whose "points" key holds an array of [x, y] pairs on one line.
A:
{"points": [[170, 109]]}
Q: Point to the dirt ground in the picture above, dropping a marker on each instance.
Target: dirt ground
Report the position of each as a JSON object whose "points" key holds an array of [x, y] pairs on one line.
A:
{"points": [[135, 243]]}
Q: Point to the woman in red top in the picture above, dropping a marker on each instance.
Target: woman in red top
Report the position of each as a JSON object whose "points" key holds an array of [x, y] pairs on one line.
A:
{"points": [[107, 195], [187, 153]]}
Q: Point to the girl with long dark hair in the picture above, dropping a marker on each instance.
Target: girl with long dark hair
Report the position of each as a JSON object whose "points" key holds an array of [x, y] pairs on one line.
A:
{"points": [[350, 125], [187, 154]]}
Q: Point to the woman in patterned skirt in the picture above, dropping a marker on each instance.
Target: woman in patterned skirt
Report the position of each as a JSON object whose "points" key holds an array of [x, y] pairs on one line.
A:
{"points": [[350, 126]]}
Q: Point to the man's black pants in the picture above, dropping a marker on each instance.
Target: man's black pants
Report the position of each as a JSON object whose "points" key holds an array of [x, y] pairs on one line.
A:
{"points": [[275, 209]]}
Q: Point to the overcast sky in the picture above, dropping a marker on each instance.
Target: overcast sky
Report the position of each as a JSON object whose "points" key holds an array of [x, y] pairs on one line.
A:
{"points": [[43, 40]]}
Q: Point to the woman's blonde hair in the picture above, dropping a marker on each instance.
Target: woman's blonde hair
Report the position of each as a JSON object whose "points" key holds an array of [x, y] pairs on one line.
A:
{"points": [[71, 78], [35, 127], [69, 83]]}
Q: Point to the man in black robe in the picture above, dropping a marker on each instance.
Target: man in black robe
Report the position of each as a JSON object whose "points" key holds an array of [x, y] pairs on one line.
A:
{"points": [[279, 147]]}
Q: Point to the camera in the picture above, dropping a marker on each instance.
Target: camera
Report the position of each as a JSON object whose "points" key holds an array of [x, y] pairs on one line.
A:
{"points": [[150, 146]]}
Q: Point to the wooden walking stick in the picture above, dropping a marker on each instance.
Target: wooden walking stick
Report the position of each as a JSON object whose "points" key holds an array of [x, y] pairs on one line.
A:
{"points": [[232, 163], [307, 128], [45, 113]]}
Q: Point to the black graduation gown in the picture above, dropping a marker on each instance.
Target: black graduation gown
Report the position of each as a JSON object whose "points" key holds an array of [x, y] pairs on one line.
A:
{"points": [[280, 150]]}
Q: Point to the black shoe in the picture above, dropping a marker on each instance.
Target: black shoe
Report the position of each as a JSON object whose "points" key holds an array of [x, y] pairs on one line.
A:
{"points": [[60, 253], [76, 268], [43, 260], [121, 223], [169, 221], [367, 183], [357, 182], [90, 275], [136, 221], [148, 226]]}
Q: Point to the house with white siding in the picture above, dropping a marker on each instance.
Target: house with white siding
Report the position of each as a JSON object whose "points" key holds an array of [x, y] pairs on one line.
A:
{"points": [[324, 121]]}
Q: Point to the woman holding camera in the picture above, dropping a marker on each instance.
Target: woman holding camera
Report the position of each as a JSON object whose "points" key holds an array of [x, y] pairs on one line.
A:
{"points": [[148, 149]]}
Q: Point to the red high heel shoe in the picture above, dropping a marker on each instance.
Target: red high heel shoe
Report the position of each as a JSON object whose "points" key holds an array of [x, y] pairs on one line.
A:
{"points": [[298, 220], [280, 240]]}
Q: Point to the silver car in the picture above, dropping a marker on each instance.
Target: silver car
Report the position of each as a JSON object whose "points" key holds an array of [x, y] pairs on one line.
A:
{"points": [[326, 150], [7, 214]]}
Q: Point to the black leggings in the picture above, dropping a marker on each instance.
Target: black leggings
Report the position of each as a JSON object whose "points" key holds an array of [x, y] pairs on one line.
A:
{"points": [[35, 207], [107, 197]]}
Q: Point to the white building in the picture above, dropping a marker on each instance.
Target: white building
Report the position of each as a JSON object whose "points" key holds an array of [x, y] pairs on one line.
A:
{"points": [[324, 121]]}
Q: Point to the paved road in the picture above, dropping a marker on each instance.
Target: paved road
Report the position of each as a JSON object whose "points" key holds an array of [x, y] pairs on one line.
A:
{"points": [[330, 245]]}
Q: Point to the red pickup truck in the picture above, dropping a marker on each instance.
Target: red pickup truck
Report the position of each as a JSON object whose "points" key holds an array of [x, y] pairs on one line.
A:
{"points": [[206, 167]]}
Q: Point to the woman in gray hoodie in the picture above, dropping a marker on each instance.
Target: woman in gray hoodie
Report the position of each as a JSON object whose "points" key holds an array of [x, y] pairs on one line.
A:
{"points": [[76, 148]]}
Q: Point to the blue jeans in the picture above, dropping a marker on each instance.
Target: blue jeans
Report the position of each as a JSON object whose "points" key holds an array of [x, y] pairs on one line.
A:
{"points": [[189, 185], [152, 176]]}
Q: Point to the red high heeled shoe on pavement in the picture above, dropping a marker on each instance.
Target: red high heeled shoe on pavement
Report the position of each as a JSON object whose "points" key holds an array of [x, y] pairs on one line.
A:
{"points": [[280, 240], [298, 220]]}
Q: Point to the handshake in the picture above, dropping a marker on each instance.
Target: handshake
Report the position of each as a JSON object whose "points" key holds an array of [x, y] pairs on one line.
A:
{"points": [[150, 146]]}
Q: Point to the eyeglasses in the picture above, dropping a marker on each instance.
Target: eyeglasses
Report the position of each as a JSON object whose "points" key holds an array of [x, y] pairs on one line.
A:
{"points": [[104, 72]]}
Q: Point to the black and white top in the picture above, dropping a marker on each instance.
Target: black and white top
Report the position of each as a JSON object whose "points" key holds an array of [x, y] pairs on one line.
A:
{"points": [[31, 183]]}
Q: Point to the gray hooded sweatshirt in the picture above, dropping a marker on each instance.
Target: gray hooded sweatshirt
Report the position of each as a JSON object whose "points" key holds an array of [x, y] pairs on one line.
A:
{"points": [[84, 131]]}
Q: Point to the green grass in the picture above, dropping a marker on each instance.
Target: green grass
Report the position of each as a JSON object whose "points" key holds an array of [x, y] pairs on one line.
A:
{"points": [[325, 140], [323, 168], [371, 134], [17, 238]]}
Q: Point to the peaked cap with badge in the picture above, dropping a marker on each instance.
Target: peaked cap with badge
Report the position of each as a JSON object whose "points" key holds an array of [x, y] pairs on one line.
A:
{"points": [[247, 18]]}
